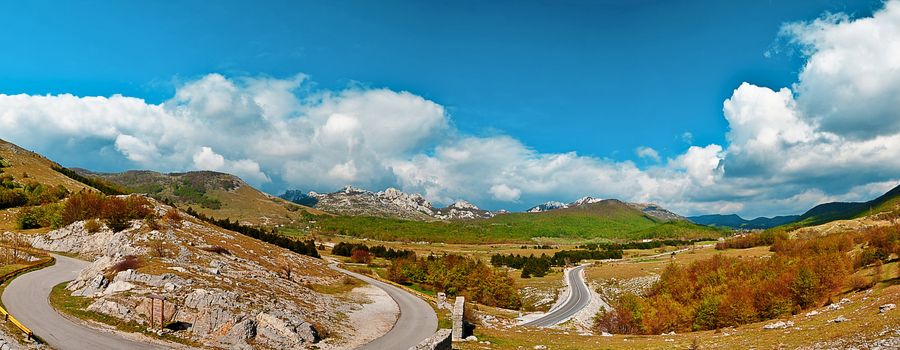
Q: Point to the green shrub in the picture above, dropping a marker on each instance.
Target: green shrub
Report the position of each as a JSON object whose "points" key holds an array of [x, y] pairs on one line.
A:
{"points": [[11, 198], [458, 275], [49, 215]]}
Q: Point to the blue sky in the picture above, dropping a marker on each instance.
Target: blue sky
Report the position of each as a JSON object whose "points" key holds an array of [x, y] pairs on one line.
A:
{"points": [[600, 78]]}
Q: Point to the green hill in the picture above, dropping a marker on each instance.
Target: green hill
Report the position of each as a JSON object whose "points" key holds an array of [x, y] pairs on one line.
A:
{"points": [[211, 193], [828, 212], [602, 221]]}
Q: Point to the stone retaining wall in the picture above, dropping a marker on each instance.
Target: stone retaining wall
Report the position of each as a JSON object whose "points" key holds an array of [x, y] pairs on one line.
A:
{"points": [[457, 316], [439, 341]]}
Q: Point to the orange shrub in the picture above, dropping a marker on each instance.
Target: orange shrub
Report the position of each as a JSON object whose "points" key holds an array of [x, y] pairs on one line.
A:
{"points": [[724, 291]]}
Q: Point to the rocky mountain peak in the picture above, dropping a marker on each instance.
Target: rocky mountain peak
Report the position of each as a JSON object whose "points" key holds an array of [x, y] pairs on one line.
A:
{"points": [[463, 205], [551, 205], [585, 200], [353, 190]]}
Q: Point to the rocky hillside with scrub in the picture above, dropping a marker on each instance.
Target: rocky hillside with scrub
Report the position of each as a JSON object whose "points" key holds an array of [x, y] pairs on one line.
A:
{"points": [[223, 289]]}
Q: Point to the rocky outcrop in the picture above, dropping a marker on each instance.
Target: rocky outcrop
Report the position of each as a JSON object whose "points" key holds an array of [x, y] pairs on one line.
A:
{"points": [[283, 332], [656, 211], [462, 210], [71, 239], [547, 207], [388, 203], [232, 297]]}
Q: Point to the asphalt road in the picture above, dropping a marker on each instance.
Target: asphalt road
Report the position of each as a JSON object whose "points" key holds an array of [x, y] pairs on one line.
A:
{"points": [[26, 298], [416, 323], [579, 297]]}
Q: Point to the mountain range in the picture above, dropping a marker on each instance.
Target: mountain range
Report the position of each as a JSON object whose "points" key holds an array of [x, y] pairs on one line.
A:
{"points": [[391, 203], [819, 214], [737, 222], [650, 209]]}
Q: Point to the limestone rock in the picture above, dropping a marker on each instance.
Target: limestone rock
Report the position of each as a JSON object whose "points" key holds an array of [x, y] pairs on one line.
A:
{"points": [[277, 333], [118, 287]]}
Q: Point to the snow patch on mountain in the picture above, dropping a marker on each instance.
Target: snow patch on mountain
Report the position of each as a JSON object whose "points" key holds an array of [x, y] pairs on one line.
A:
{"points": [[551, 205]]}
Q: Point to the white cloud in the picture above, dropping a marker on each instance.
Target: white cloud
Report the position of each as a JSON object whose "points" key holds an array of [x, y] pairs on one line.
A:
{"points": [[703, 164], [851, 79], [207, 159], [834, 135], [505, 193], [647, 152]]}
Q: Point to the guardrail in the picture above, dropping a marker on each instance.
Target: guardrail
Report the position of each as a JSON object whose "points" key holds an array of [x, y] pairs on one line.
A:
{"points": [[44, 262]]}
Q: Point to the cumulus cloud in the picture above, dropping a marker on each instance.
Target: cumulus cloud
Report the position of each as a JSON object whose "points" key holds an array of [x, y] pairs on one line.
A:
{"points": [[505, 193], [833, 135], [647, 152]]}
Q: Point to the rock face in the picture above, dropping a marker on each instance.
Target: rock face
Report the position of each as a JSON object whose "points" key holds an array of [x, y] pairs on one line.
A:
{"points": [[547, 207], [656, 211], [462, 210], [232, 300], [388, 203], [391, 203]]}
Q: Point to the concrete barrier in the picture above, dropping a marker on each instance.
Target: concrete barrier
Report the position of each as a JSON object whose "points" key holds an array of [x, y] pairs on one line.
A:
{"points": [[439, 341]]}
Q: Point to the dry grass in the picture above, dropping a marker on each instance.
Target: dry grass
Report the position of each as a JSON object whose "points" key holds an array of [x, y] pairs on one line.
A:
{"points": [[246, 204], [36, 167]]}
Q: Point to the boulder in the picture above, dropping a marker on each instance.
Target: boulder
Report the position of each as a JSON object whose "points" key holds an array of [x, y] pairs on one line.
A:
{"points": [[112, 308], [779, 325], [118, 287], [89, 288], [839, 319], [276, 333]]}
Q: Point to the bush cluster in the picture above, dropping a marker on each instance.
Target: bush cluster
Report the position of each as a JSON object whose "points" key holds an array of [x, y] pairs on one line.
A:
{"points": [[539, 266], [751, 240], [116, 212], [458, 275], [48, 215], [720, 291], [307, 247], [346, 249], [186, 192], [13, 194], [653, 244]]}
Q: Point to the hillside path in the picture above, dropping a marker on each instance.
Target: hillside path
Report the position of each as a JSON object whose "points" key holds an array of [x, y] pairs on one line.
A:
{"points": [[417, 319], [27, 298]]}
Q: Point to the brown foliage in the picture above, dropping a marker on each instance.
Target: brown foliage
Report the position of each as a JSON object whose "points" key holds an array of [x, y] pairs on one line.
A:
{"points": [[217, 249], [722, 291], [361, 256], [116, 212], [173, 218], [158, 249], [751, 240], [92, 226], [129, 262]]}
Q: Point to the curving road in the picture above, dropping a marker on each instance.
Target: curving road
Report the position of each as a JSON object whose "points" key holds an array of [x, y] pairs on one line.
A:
{"points": [[416, 323], [26, 298], [579, 297]]}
